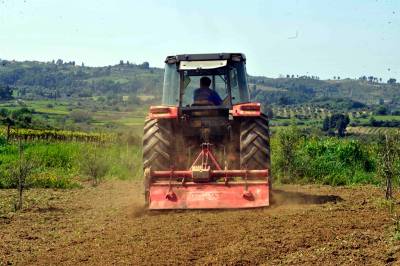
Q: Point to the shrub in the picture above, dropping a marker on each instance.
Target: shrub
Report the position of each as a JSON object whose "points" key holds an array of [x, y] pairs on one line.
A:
{"points": [[80, 116], [308, 158], [286, 145], [94, 164], [336, 162]]}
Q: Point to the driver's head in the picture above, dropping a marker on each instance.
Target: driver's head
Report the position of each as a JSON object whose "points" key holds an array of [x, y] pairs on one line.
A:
{"points": [[205, 82]]}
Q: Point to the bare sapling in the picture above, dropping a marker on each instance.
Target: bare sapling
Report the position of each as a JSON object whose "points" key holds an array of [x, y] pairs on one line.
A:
{"points": [[21, 171], [388, 168], [94, 165]]}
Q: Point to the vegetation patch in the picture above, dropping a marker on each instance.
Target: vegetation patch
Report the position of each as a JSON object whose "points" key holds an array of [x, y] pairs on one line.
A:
{"points": [[67, 164], [299, 157]]}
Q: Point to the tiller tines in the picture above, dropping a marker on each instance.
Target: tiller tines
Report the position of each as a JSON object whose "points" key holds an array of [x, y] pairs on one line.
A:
{"points": [[207, 186]]}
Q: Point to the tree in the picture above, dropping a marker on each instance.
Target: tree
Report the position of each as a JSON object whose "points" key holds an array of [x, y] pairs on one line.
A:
{"points": [[6, 93], [337, 122], [371, 79], [391, 81], [381, 110], [5, 119], [22, 117], [326, 124], [146, 65]]}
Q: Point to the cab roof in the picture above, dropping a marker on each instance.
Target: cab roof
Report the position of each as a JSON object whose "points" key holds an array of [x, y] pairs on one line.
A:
{"points": [[238, 57]]}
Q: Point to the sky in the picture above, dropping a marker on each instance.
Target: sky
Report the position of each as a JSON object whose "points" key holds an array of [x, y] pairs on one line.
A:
{"points": [[346, 38]]}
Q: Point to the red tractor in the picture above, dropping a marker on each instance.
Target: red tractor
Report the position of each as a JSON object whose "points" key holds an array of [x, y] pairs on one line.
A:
{"points": [[201, 152]]}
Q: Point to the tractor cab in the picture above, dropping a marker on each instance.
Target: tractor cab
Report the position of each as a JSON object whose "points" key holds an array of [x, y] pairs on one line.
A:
{"points": [[227, 73]]}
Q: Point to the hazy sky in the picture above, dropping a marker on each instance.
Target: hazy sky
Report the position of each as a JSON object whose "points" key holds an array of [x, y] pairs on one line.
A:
{"points": [[325, 38]]}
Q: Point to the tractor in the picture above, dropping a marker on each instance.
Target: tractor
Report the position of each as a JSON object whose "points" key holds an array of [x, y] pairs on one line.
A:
{"points": [[202, 154]]}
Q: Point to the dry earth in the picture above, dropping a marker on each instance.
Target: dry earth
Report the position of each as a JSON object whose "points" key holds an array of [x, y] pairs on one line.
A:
{"points": [[108, 225]]}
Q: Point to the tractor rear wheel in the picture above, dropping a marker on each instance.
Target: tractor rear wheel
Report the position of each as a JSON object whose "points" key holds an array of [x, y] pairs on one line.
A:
{"points": [[254, 144], [157, 144], [157, 150]]}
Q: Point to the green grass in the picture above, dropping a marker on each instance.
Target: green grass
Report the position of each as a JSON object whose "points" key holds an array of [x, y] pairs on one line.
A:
{"points": [[59, 164], [387, 117], [310, 159]]}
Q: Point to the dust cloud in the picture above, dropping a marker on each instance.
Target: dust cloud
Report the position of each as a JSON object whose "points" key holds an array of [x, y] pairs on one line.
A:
{"points": [[281, 197]]}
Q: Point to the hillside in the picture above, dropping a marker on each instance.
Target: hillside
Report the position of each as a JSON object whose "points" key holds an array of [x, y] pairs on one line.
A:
{"points": [[288, 91], [40, 80]]}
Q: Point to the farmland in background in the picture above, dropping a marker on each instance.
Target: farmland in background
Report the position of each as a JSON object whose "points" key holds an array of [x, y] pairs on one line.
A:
{"points": [[78, 129], [64, 102]]}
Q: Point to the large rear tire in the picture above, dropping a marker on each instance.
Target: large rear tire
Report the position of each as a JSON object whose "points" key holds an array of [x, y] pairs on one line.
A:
{"points": [[157, 144], [157, 150], [254, 144]]}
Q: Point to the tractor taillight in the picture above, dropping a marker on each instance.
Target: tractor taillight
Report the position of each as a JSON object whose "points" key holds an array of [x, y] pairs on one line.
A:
{"points": [[157, 112], [247, 109]]}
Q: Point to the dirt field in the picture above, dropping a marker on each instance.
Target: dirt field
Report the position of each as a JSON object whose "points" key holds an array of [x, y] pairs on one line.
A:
{"points": [[108, 225]]}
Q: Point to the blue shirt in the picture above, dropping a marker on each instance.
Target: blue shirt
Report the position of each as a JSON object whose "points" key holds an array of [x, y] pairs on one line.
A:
{"points": [[207, 95]]}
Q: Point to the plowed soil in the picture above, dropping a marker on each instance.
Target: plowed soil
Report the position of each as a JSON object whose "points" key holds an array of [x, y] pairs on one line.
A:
{"points": [[108, 225]]}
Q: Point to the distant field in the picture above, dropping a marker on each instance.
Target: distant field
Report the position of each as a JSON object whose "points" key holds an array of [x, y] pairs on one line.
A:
{"points": [[387, 117], [371, 130], [145, 97], [271, 89], [51, 112], [57, 114]]}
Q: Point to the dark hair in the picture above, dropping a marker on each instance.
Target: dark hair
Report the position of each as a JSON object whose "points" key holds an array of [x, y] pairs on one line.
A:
{"points": [[205, 81]]}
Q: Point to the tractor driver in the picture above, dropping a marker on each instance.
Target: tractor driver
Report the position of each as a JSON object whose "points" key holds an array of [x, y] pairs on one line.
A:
{"points": [[204, 95]]}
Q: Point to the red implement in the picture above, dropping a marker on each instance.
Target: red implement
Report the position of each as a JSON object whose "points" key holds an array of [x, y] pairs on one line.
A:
{"points": [[164, 195], [199, 187]]}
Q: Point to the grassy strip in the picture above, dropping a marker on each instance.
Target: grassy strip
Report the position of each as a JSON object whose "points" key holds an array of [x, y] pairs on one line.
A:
{"points": [[296, 158], [35, 134], [64, 164], [300, 158]]}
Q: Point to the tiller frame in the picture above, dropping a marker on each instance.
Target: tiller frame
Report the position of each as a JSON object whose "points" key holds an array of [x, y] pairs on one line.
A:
{"points": [[199, 187]]}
